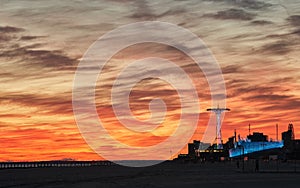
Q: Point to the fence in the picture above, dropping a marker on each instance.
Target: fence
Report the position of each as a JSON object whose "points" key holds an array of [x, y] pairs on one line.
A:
{"points": [[268, 166], [5, 165]]}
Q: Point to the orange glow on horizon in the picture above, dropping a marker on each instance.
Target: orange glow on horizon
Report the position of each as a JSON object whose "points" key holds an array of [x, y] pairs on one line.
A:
{"points": [[39, 53]]}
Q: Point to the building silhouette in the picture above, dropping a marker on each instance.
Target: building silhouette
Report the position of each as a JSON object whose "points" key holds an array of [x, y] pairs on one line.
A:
{"points": [[257, 145], [291, 145], [258, 137]]}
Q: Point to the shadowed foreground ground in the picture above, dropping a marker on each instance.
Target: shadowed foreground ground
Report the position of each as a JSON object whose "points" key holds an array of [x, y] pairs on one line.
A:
{"points": [[163, 175]]}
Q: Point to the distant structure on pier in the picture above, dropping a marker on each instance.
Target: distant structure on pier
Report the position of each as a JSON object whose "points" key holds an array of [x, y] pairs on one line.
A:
{"points": [[218, 111], [255, 146], [257, 142]]}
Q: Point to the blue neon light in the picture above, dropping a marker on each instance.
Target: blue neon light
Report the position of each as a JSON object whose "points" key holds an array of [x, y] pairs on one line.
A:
{"points": [[245, 147]]}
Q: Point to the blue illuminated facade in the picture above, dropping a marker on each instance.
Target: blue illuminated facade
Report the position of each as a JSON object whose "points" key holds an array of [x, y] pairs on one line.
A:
{"points": [[244, 147]]}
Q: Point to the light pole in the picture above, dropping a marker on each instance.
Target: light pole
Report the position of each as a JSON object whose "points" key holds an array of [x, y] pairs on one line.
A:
{"points": [[243, 157]]}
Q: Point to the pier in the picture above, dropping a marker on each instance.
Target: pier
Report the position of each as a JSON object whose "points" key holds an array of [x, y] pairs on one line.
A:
{"points": [[41, 164]]}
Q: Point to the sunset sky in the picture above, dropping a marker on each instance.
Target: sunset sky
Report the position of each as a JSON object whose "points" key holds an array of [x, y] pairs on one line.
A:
{"points": [[256, 44]]}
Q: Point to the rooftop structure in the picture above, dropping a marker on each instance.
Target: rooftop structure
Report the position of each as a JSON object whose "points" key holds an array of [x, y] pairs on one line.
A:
{"points": [[257, 137]]}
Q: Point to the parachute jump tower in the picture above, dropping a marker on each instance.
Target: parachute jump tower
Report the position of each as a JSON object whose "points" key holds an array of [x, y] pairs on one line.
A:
{"points": [[218, 111]]}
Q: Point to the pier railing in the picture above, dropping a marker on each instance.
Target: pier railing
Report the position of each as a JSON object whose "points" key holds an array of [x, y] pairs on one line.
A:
{"points": [[41, 164]]}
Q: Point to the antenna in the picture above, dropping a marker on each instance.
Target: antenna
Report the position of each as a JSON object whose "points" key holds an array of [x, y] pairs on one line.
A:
{"points": [[234, 135], [249, 129], [276, 131]]}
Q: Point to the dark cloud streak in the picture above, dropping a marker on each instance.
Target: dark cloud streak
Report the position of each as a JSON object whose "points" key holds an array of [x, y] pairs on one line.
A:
{"points": [[30, 37], [55, 59], [278, 48], [58, 104], [10, 29], [249, 4], [232, 14], [294, 20], [261, 22]]}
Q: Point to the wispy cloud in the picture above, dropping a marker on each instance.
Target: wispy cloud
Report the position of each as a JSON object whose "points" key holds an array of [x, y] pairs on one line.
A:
{"points": [[41, 44], [32, 54]]}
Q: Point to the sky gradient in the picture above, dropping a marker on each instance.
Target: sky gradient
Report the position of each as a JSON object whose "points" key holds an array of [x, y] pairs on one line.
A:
{"points": [[256, 44]]}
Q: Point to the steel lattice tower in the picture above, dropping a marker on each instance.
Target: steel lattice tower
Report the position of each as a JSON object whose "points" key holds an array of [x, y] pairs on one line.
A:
{"points": [[218, 111]]}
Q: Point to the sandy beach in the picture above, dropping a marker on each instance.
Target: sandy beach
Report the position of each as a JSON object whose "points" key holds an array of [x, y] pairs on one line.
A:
{"points": [[162, 175]]}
